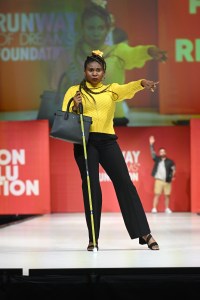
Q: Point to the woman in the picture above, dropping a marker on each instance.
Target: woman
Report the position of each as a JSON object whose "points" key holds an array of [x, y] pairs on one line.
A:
{"points": [[99, 102]]}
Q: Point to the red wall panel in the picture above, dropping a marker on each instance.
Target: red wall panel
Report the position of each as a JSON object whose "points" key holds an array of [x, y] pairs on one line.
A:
{"points": [[24, 159], [195, 165], [24, 167]]}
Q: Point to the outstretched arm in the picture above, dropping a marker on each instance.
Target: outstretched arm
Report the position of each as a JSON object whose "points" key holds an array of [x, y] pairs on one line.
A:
{"points": [[137, 56], [128, 90]]}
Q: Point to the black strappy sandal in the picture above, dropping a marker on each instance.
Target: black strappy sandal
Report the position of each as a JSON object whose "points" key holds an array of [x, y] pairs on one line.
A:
{"points": [[90, 246], [142, 241]]}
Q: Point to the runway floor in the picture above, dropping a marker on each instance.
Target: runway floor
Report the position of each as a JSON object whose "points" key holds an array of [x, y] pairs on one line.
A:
{"points": [[55, 245], [60, 241]]}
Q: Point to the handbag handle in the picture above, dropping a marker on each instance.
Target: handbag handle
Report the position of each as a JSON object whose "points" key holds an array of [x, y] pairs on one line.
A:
{"points": [[80, 106], [67, 110], [68, 106]]}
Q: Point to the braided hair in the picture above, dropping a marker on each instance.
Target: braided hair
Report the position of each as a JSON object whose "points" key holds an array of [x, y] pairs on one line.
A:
{"points": [[98, 57]]}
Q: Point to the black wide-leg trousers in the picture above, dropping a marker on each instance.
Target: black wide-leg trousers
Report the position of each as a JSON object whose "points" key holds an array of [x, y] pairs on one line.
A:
{"points": [[103, 149]]}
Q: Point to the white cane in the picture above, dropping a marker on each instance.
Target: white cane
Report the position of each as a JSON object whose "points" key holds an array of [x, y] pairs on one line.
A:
{"points": [[88, 177]]}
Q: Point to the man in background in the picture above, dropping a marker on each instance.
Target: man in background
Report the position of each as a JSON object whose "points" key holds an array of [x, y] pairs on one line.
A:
{"points": [[163, 172]]}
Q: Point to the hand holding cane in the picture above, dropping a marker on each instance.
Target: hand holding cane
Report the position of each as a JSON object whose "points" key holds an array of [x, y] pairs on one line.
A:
{"points": [[80, 106]]}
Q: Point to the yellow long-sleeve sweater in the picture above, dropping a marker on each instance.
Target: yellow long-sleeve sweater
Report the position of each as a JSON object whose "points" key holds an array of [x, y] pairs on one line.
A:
{"points": [[102, 109]]}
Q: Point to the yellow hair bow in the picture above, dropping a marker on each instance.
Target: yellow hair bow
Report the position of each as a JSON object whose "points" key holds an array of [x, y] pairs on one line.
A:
{"points": [[97, 52]]}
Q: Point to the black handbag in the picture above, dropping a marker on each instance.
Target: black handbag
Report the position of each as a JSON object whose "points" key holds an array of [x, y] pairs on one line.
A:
{"points": [[67, 126]]}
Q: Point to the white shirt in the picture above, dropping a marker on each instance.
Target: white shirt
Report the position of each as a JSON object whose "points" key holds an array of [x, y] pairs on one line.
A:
{"points": [[161, 171]]}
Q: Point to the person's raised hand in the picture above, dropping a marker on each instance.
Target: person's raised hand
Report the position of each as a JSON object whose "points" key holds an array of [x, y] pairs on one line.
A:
{"points": [[151, 140]]}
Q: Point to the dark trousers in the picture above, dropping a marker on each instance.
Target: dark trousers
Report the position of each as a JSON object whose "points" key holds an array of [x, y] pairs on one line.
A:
{"points": [[103, 149]]}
